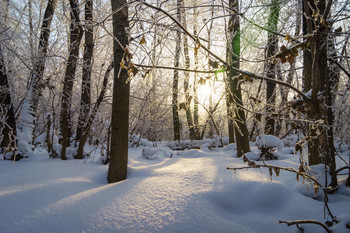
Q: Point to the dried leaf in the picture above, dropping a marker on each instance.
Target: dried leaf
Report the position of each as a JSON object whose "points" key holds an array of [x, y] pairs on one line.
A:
{"points": [[288, 38], [143, 40], [128, 54], [202, 81], [277, 171], [339, 29], [283, 60], [247, 78], [270, 172], [213, 64], [245, 159], [182, 106], [315, 189], [122, 64], [196, 47], [290, 59]]}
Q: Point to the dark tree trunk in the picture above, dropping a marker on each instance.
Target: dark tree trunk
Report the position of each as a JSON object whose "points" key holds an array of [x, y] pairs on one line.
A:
{"points": [[272, 46], [85, 101], [323, 82], [39, 63], [176, 120], [117, 170], [310, 70], [240, 127], [8, 125], [76, 33]]}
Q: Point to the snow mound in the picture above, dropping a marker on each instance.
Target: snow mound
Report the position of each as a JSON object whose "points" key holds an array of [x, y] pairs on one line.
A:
{"points": [[156, 153], [229, 147], [269, 141], [252, 156]]}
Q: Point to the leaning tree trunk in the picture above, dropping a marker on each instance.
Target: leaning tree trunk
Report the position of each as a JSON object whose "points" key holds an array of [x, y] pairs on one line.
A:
{"points": [[272, 46], [76, 33], [85, 100], [176, 120], [30, 103], [92, 116], [117, 170], [240, 127]]}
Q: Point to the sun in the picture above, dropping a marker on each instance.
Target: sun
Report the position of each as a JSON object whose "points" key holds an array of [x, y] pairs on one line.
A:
{"points": [[204, 92]]}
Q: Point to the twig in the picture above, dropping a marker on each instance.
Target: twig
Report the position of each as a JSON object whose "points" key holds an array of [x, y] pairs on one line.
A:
{"points": [[297, 222]]}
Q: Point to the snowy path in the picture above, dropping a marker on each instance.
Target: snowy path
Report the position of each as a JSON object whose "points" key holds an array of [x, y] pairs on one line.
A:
{"points": [[190, 194]]}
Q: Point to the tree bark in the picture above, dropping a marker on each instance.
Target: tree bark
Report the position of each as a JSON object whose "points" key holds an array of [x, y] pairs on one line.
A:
{"points": [[117, 170], [323, 82], [85, 101], [187, 79], [195, 82], [272, 46], [76, 33], [8, 123], [240, 127], [176, 120]]}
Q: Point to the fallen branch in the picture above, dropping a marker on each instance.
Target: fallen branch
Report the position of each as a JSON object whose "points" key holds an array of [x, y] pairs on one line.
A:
{"points": [[297, 222]]}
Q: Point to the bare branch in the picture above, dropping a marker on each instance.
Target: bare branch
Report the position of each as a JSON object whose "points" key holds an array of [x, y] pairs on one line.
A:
{"points": [[297, 222]]}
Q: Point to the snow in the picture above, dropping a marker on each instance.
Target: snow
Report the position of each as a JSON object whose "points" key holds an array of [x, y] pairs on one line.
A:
{"points": [[190, 191], [269, 141]]}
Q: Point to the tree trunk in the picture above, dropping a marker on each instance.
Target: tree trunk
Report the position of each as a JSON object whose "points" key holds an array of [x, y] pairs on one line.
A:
{"points": [[87, 126], [272, 46], [76, 33], [8, 121], [187, 79], [229, 96], [117, 170], [195, 82], [315, 73], [176, 120], [309, 66], [30, 103], [85, 100], [240, 127]]}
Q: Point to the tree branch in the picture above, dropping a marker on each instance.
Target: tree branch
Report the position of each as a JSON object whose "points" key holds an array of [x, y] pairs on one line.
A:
{"points": [[297, 222], [228, 67]]}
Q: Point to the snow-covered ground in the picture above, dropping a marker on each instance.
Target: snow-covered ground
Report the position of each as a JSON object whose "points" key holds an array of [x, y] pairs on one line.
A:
{"points": [[187, 191]]}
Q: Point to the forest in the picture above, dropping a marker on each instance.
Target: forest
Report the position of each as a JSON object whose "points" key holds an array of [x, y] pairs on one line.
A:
{"points": [[175, 115]]}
